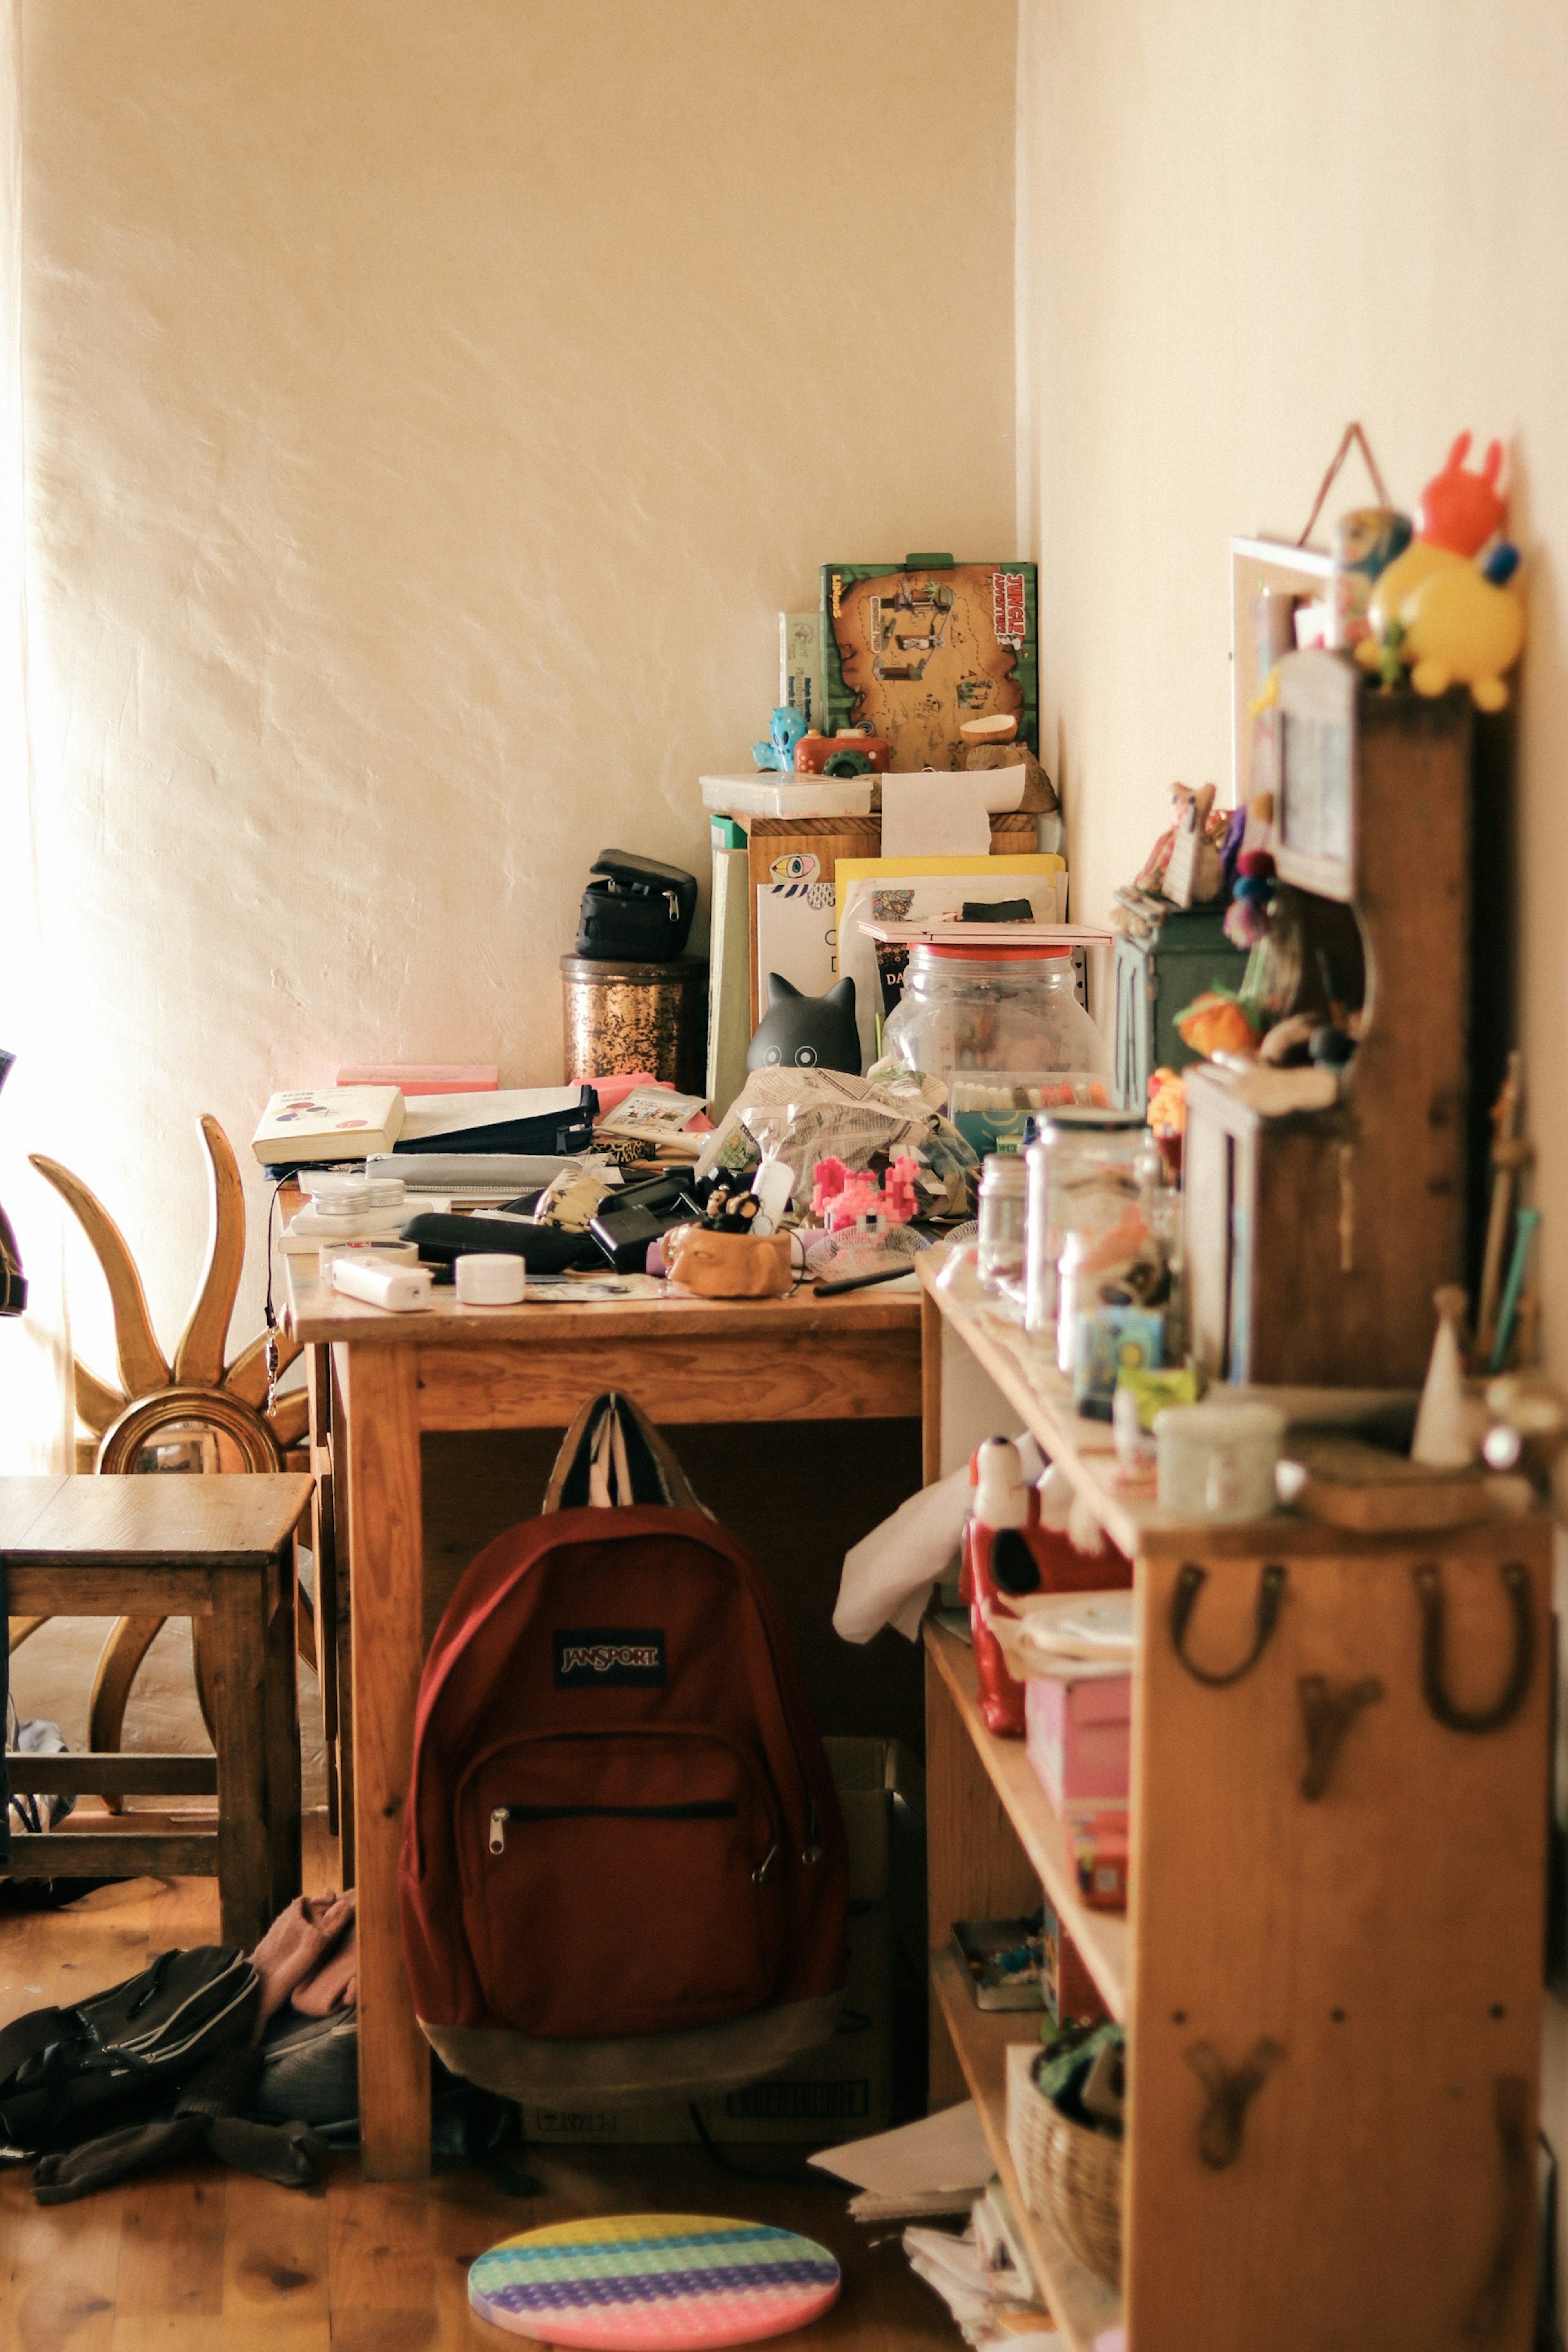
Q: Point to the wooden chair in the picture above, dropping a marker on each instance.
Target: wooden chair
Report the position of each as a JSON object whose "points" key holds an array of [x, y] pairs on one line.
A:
{"points": [[220, 1551]]}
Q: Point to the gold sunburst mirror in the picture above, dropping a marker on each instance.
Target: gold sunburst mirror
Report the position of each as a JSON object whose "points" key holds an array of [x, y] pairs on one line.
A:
{"points": [[190, 1412]]}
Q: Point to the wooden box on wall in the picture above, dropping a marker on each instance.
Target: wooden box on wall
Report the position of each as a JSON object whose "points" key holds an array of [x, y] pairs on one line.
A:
{"points": [[1314, 1243]]}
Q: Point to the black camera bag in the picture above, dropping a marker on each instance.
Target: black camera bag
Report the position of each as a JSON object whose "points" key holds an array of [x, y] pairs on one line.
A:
{"points": [[635, 910]]}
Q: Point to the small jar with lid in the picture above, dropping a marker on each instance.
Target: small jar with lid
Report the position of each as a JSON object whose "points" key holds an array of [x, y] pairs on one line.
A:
{"points": [[1089, 1168], [1000, 1263], [980, 1005]]}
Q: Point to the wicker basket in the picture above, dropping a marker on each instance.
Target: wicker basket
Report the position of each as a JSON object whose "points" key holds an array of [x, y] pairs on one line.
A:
{"points": [[1070, 2176]]}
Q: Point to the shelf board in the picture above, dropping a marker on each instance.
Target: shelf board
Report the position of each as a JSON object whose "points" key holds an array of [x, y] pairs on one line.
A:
{"points": [[1085, 1450], [1081, 2304], [1101, 1935]]}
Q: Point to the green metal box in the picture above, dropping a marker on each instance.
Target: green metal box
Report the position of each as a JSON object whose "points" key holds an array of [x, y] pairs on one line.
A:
{"points": [[1158, 977]]}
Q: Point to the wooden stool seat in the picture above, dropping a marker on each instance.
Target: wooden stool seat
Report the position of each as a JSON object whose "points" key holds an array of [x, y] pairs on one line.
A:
{"points": [[220, 1547]]}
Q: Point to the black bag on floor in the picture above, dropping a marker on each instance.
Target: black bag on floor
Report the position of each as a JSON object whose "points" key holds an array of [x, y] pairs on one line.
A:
{"points": [[67, 2074]]}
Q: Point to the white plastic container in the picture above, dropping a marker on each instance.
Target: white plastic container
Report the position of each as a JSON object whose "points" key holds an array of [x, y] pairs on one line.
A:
{"points": [[491, 1278], [1216, 1460]]}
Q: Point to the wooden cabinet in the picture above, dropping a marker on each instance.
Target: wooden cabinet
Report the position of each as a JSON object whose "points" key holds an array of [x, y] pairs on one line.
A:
{"points": [[1313, 1244], [1364, 1938]]}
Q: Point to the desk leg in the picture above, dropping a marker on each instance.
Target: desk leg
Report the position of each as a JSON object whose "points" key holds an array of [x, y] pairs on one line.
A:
{"points": [[930, 1389], [386, 1606]]}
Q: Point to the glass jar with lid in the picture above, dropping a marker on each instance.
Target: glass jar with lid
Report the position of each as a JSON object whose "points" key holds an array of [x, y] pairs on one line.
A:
{"points": [[977, 1005], [1089, 1170]]}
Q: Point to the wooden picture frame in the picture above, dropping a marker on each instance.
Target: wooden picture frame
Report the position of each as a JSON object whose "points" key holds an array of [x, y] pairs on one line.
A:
{"points": [[1302, 572]]}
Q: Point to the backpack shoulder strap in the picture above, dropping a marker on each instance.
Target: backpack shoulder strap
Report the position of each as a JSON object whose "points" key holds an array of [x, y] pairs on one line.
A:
{"points": [[613, 1456], [26, 2036]]}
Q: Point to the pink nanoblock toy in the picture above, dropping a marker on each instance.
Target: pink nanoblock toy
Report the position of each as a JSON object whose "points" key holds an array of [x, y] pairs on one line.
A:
{"points": [[839, 1199]]}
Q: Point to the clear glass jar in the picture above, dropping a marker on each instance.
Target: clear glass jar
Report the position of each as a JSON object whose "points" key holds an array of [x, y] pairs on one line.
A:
{"points": [[1089, 1168], [1001, 1252], [979, 1007]]}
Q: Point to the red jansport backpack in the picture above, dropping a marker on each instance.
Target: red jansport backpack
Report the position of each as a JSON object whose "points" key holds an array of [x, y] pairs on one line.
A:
{"points": [[623, 1869]]}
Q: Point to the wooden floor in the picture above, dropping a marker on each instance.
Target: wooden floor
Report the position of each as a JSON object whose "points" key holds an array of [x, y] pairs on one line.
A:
{"points": [[201, 2259]]}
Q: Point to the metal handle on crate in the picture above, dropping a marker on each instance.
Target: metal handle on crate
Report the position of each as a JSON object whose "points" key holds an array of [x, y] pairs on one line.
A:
{"points": [[1488, 2312], [1326, 1718], [1232, 2091], [1189, 1583], [1515, 1579]]}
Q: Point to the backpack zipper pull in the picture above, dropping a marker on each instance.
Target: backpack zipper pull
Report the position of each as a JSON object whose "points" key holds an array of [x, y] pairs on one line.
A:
{"points": [[814, 1842], [766, 1864], [499, 1829]]}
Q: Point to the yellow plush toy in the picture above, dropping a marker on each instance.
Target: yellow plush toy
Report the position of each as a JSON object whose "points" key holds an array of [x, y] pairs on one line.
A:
{"points": [[1450, 621]]}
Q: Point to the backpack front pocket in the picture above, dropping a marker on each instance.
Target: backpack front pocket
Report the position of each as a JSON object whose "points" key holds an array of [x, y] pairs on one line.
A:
{"points": [[622, 1881]]}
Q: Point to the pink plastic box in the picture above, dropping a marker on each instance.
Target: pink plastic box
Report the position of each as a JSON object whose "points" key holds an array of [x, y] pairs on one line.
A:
{"points": [[1079, 1736]]}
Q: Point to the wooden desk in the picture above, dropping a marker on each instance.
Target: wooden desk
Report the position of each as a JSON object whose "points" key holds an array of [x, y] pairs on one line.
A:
{"points": [[479, 1368]]}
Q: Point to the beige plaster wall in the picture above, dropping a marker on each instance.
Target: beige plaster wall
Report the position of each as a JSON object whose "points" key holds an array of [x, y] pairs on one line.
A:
{"points": [[1239, 227], [430, 406]]}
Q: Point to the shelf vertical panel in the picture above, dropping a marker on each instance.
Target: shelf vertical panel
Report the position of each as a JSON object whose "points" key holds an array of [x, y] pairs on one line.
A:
{"points": [[1385, 1938]]}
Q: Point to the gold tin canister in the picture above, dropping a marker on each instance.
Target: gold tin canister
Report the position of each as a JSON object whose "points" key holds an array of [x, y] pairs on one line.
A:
{"points": [[636, 1016]]}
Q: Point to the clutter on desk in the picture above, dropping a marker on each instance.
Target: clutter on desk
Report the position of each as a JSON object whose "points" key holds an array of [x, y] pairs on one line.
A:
{"points": [[310, 1126], [424, 1077], [626, 1014], [481, 1177], [532, 1119], [342, 1210], [728, 1266], [802, 1116], [400, 1289], [1003, 1002], [490, 1278], [634, 910], [650, 1112], [807, 1032], [653, 2283]]}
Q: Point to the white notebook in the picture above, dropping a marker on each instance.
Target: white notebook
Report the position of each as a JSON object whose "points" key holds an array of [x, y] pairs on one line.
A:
{"points": [[324, 1123]]}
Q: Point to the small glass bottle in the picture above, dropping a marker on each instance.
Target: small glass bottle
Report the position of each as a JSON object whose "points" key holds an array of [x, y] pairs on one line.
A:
{"points": [[1002, 1245]]}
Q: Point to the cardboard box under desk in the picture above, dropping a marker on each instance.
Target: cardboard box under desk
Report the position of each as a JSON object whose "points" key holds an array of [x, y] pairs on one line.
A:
{"points": [[850, 2086]]}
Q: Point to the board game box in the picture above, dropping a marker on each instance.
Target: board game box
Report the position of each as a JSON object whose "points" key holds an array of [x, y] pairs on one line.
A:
{"points": [[911, 651]]}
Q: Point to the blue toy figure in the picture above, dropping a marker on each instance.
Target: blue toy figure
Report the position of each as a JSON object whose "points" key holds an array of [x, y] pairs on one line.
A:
{"points": [[783, 734]]}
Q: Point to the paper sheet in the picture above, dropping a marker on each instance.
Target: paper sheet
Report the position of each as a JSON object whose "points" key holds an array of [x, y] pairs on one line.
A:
{"points": [[947, 2150], [932, 816], [449, 1114]]}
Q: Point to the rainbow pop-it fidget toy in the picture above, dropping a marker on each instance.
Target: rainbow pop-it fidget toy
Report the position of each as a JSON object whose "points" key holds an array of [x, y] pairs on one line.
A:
{"points": [[654, 2283]]}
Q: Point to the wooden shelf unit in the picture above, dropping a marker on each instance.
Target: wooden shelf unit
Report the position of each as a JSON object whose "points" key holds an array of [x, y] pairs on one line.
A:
{"points": [[1099, 1936], [1084, 2304], [1375, 1950]]}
